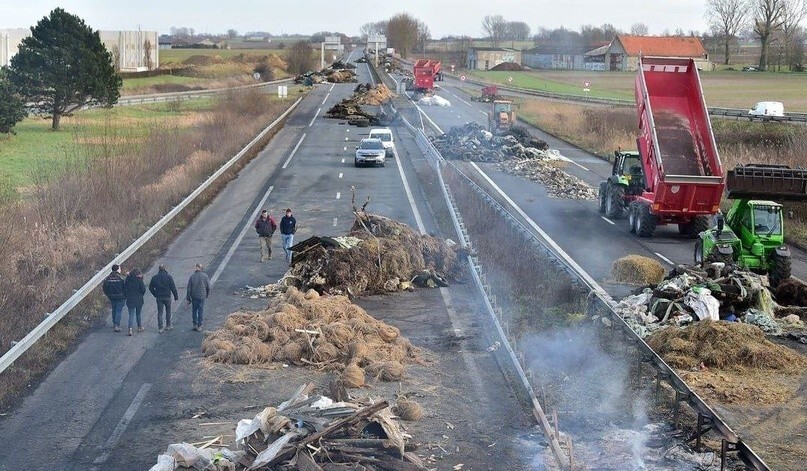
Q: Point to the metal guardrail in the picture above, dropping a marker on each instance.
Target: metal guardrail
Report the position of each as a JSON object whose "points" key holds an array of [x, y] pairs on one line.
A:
{"points": [[191, 94], [53, 318]]}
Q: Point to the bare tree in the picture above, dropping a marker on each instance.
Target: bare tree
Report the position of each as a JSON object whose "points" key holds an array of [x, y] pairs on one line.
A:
{"points": [[793, 14], [726, 18], [495, 28], [373, 28], [517, 31], [424, 34], [402, 33], [767, 20], [300, 58], [639, 29], [232, 34], [459, 50], [147, 50]]}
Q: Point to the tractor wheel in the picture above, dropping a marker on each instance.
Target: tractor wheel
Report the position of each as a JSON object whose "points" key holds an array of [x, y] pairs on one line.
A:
{"points": [[645, 221], [699, 252], [632, 216], [683, 228], [695, 226], [601, 195], [716, 256], [779, 270], [615, 202]]}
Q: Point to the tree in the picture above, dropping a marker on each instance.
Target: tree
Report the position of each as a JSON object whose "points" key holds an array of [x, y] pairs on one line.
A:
{"points": [[373, 28], [402, 33], [424, 34], [793, 14], [63, 66], [495, 28], [517, 31], [12, 108], [767, 20], [147, 49], [639, 29], [232, 34], [300, 58], [726, 18]]}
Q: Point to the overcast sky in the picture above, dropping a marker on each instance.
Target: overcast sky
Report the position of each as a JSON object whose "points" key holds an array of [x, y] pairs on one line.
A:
{"points": [[444, 17]]}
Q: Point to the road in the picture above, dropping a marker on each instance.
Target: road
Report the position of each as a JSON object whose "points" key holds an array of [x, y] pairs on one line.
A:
{"points": [[118, 401], [590, 239]]}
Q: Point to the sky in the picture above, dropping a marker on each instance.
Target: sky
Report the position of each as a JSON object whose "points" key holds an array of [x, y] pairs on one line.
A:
{"points": [[444, 17]]}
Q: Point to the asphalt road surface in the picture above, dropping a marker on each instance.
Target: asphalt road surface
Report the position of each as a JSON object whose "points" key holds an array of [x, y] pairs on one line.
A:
{"points": [[592, 240]]}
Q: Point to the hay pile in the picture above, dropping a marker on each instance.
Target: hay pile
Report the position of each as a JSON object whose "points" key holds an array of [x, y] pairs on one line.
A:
{"points": [[341, 76], [366, 94], [724, 345], [637, 270], [326, 332], [385, 256]]}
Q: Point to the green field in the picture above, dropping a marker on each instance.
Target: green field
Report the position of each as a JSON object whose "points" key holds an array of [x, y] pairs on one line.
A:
{"points": [[178, 56], [131, 84], [731, 89]]}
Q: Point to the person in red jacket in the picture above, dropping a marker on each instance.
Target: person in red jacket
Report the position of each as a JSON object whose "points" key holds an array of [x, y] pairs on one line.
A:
{"points": [[265, 226]]}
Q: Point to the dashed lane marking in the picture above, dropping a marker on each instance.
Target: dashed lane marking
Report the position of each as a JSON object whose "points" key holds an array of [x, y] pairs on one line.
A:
{"points": [[345, 149], [335, 221], [341, 174], [664, 258], [326, 98], [338, 195], [332, 85], [584, 168], [293, 151], [113, 439], [608, 221], [343, 160], [315, 117]]}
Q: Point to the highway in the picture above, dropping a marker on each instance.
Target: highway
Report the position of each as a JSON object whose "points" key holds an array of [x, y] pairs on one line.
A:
{"points": [[116, 402], [588, 237]]}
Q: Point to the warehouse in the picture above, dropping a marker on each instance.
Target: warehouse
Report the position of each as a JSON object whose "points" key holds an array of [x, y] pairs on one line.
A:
{"points": [[486, 58]]}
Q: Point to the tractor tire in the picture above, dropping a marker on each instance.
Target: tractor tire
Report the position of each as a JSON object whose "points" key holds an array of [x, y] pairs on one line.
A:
{"points": [[632, 216], [695, 226], [699, 252], [683, 228], [716, 256], [615, 202], [601, 195], [645, 221], [779, 270]]}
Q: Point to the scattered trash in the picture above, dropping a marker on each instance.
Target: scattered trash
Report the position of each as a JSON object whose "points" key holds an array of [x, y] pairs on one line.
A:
{"points": [[547, 170], [637, 270], [434, 100], [472, 142]]}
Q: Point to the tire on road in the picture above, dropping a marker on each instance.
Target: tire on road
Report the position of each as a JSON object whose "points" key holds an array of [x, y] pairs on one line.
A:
{"points": [[615, 202], [645, 221], [779, 270], [695, 226], [601, 195], [633, 211], [698, 257]]}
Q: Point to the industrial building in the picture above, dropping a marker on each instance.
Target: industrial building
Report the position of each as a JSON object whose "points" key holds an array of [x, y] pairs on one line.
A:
{"points": [[132, 51], [486, 58]]}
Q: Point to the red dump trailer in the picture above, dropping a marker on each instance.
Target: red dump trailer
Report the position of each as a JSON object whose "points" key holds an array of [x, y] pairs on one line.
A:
{"points": [[426, 72], [683, 175]]}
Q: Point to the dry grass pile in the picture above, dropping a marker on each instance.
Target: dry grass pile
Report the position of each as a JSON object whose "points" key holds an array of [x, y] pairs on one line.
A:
{"points": [[367, 94], [724, 345], [387, 255], [408, 410], [341, 76], [637, 270], [324, 332]]}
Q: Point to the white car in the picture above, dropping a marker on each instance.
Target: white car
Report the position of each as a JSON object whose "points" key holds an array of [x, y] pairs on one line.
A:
{"points": [[765, 109], [370, 151], [385, 136]]}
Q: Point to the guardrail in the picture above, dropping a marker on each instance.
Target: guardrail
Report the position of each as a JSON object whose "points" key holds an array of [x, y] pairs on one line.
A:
{"points": [[191, 94], [54, 317]]}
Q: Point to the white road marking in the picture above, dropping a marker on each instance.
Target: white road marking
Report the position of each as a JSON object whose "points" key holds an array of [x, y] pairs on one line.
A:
{"points": [[347, 129], [315, 117], [334, 221], [345, 149], [341, 174], [370, 73], [332, 85], [429, 120], [326, 98], [338, 195], [409, 196], [113, 439], [460, 99], [343, 160], [294, 151], [240, 237], [484, 113], [560, 252], [664, 258], [584, 168], [608, 221], [345, 138]]}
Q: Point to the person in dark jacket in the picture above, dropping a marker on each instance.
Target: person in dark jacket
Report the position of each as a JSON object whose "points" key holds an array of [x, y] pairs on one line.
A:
{"points": [[265, 226], [113, 289], [288, 226], [134, 289], [198, 291], [162, 287]]}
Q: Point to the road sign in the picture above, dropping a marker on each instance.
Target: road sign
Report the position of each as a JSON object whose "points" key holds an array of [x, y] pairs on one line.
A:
{"points": [[510, 79], [256, 76], [587, 84], [452, 67], [462, 77]]}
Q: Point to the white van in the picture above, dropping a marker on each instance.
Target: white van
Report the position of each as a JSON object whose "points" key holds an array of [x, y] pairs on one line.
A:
{"points": [[385, 135], [768, 109]]}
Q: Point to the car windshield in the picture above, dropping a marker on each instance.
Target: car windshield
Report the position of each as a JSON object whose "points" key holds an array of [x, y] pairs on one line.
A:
{"points": [[384, 136], [371, 145], [767, 220]]}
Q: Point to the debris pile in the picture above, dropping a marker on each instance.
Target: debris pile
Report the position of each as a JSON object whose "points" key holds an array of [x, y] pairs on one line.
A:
{"points": [[637, 270], [306, 433], [339, 72], [471, 142], [364, 94], [548, 170], [367, 94], [379, 255], [434, 100], [324, 332], [507, 67], [342, 65]]}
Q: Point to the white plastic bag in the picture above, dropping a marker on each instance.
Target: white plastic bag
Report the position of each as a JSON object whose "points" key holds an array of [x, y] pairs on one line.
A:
{"points": [[164, 463], [704, 304]]}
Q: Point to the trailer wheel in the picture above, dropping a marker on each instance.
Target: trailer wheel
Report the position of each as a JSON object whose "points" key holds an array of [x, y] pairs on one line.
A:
{"points": [[645, 221], [603, 188], [632, 212], [698, 252], [615, 202], [779, 270], [695, 226]]}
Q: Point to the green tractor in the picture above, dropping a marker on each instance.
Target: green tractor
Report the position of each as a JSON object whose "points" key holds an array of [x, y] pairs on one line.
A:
{"points": [[625, 183], [752, 234]]}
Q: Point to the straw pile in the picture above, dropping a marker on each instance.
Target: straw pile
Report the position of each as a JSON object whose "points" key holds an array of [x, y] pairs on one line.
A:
{"points": [[367, 94], [326, 332], [637, 270]]}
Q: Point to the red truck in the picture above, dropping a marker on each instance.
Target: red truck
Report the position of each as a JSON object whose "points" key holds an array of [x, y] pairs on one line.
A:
{"points": [[426, 72], [677, 176]]}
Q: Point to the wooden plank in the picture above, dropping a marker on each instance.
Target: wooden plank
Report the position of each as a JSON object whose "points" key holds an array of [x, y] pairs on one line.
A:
{"points": [[306, 463]]}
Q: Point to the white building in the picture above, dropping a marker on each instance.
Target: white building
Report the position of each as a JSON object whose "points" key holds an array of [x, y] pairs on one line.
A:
{"points": [[132, 51]]}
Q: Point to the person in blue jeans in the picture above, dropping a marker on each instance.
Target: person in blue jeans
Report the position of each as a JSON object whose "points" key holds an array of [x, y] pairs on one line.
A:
{"points": [[198, 291], [288, 226], [134, 289], [113, 289]]}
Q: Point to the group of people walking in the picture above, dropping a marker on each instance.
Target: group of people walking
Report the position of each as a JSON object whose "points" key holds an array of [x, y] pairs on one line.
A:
{"points": [[130, 291]]}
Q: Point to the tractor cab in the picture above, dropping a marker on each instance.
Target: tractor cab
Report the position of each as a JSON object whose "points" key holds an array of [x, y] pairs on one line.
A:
{"points": [[758, 225], [627, 171], [503, 116]]}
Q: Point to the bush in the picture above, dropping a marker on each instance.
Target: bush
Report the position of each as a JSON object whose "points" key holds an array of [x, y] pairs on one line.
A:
{"points": [[12, 108], [265, 70]]}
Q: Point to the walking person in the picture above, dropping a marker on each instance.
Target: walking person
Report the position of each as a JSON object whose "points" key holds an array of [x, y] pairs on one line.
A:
{"points": [[162, 287], [134, 289], [113, 289], [288, 226], [265, 226], [198, 291]]}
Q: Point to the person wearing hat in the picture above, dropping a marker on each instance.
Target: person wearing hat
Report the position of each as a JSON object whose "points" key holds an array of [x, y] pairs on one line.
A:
{"points": [[113, 289], [265, 226], [288, 226]]}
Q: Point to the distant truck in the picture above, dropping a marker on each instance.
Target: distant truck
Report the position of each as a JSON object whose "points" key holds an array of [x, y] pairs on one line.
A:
{"points": [[678, 168], [426, 72]]}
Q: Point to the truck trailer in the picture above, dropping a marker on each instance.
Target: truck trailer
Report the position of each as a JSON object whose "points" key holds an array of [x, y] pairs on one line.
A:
{"points": [[426, 72]]}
